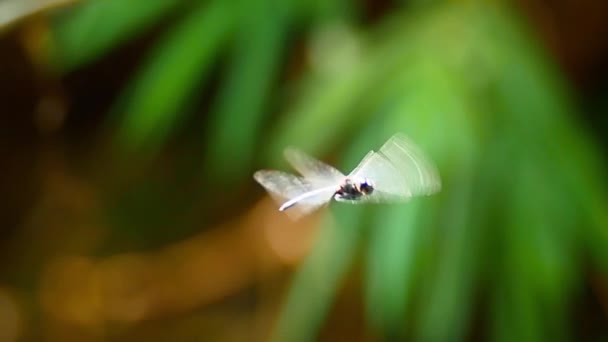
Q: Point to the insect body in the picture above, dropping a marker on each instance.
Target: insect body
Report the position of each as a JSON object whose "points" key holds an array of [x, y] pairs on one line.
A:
{"points": [[353, 190], [397, 172]]}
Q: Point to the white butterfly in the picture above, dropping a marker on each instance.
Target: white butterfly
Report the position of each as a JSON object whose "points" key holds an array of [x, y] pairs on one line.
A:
{"points": [[397, 172]]}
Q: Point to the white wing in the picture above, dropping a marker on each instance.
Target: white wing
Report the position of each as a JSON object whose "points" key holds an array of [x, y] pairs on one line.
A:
{"points": [[297, 195], [399, 171], [316, 172]]}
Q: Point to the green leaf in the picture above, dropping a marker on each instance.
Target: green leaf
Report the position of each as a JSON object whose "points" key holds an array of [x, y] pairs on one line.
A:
{"points": [[448, 301], [89, 29], [393, 246], [153, 104], [318, 279], [236, 119]]}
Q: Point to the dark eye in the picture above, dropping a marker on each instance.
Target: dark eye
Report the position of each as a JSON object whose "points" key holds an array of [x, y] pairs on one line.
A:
{"points": [[366, 187]]}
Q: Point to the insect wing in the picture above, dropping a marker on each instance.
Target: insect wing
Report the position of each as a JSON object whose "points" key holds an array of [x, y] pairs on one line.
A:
{"points": [[399, 171], [284, 186], [316, 172]]}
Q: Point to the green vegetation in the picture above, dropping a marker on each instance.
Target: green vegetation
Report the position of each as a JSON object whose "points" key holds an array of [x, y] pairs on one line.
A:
{"points": [[523, 212]]}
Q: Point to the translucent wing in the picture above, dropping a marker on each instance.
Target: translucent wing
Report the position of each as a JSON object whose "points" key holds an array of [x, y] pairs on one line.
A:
{"points": [[316, 172], [399, 171], [285, 187]]}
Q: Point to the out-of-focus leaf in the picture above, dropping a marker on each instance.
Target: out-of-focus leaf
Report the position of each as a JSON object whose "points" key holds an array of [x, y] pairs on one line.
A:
{"points": [[345, 71], [153, 103], [447, 305], [323, 11], [514, 312], [393, 245], [539, 103], [427, 102], [369, 69], [91, 28], [568, 149], [518, 315], [322, 109], [318, 279], [235, 122], [552, 248]]}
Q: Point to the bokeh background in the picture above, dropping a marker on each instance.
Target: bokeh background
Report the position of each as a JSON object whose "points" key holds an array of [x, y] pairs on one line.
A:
{"points": [[130, 131]]}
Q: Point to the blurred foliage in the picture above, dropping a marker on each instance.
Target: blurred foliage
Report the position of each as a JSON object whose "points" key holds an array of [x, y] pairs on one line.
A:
{"points": [[523, 209], [80, 38]]}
